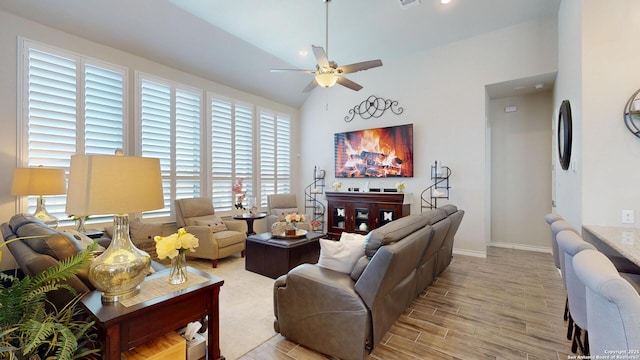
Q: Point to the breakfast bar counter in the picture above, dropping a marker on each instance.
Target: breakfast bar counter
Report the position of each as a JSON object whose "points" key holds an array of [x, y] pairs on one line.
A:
{"points": [[620, 244]]}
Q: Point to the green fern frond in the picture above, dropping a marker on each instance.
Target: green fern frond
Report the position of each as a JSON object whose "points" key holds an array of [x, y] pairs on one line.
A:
{"points": [[67, 344], [65, 268], [36, 334]]}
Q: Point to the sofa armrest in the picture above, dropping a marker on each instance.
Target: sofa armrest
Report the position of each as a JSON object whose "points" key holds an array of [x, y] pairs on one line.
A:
{"points": [[206, 244], [61, 297], [271, 219], [320, 309], [236, 225]]}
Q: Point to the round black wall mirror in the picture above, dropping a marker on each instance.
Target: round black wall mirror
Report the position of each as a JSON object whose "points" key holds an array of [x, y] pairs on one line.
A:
{"points": [[564, 134]]}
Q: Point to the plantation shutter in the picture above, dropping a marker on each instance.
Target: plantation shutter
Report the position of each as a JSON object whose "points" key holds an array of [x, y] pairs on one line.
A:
{"points": [[73, 105], [51, 117], [104, 104], [155, 141], [243, 155], [283, 151], [187, 144], [275, 155], [231, 151], [221, 153]]}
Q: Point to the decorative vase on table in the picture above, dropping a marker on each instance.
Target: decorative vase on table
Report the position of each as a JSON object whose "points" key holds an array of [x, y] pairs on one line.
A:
{"points": [[290, 229], [175, 247], [178, 270]]}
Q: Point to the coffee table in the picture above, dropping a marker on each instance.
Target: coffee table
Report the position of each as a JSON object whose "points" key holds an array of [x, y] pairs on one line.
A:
{"points": [[272, 257], [121, 328]]}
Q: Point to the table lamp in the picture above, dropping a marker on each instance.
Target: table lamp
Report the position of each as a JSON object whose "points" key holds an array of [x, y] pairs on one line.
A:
{"points": [[118, 185], [39, 181]]}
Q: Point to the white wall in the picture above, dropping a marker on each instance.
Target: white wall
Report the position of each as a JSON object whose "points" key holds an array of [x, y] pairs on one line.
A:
{"points": [[598, 71], [610, 75], [443, 95], [521, 171], [11, 27], [569, 85]]}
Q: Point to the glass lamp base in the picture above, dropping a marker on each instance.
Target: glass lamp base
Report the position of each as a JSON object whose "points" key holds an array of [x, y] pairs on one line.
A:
{"points": [[112, 297], [119, 271], [44, 216]]}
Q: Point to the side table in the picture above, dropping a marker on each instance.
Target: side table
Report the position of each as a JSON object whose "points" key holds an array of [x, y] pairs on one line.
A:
{"points": [[250, 218], [121, 328], [272, 257]]}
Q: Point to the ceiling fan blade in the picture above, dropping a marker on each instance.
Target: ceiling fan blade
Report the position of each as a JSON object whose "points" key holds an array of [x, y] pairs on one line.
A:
{"points": [[348, 83], [296, 70], [321, 56], [311, 86], [351, 68]]}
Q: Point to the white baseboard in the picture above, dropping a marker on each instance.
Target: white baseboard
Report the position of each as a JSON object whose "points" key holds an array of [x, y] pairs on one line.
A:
{"points": [[470, 253], [521, 247]]}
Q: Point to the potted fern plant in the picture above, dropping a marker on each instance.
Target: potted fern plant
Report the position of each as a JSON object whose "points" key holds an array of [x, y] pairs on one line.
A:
{"points": [[32, 328]]}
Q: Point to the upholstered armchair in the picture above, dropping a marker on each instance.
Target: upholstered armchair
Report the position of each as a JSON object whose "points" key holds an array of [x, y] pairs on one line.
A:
{"points": [[278, 206], [218, 238]]}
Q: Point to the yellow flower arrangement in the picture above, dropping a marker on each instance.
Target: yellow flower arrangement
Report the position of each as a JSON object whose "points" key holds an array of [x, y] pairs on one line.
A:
{"points": [[174, 244], [174, 247]]}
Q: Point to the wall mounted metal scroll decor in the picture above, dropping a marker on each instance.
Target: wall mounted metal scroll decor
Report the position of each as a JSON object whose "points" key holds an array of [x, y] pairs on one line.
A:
{"points": [[373, 106], [632, 113]]}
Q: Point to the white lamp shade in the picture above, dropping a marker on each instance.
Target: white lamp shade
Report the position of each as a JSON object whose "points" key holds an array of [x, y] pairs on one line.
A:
{"points": [[38, 181], [109, 184], [326, 79]]}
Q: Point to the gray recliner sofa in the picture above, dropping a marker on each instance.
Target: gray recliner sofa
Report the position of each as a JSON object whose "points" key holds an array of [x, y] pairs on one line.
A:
{"points": [[346, 315], [45, 249]]}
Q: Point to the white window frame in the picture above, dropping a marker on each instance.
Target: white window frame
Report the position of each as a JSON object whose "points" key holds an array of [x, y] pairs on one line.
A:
{"points": [[27, 204], [172, 177]]}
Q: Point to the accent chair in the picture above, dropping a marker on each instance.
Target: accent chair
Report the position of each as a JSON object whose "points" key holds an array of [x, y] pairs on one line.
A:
{"points": [[218, 238]]}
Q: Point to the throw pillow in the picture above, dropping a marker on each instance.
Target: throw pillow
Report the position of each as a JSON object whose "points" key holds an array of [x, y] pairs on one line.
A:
{"points": [[216, 224], [281, 213], [144, 232], [340, 256]]}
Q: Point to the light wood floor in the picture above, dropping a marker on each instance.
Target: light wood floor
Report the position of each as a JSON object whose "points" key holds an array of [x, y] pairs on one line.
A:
{"points": [[507, 306]]}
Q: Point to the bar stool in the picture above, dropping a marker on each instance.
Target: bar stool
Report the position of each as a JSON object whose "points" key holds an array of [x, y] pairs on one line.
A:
{"points": [[550, 219], [556, 227], [613, 306], [571, 244]]}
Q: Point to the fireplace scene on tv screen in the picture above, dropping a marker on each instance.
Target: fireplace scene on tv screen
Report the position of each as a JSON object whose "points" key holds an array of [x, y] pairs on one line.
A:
{"points": [[380, 152]]}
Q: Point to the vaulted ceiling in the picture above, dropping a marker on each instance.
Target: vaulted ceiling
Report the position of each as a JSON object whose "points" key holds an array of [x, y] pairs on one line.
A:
{"points": [[236, 42]]}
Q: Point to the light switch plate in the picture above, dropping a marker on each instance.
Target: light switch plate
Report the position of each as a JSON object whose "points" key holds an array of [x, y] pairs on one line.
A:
{"points": [[627, 217]]}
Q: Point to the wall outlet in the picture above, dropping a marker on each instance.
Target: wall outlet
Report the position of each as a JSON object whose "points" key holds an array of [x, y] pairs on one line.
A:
{"points": [[627, 217]]}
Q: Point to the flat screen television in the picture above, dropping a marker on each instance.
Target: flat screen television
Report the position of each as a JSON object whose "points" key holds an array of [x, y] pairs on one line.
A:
{"points": [[379, 152]]}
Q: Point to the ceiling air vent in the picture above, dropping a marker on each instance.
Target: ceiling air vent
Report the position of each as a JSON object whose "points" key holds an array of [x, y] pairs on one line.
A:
{"points": [[405, 4]]}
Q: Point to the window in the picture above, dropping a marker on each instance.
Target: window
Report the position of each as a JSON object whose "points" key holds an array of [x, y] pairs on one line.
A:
{"points": [[231, 151], [71, 105], [275, 155], [170, 131]]}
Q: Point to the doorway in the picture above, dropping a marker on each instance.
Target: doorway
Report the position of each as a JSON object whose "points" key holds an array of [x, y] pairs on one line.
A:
{"points": [[521, 161]]}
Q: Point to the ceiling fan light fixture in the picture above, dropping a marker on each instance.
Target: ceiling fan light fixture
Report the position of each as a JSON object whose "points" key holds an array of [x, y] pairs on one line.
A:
{"points": [[326, 80]]}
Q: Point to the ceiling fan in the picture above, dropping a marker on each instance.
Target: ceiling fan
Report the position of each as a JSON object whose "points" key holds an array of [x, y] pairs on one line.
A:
{"points": [[328, 73]]}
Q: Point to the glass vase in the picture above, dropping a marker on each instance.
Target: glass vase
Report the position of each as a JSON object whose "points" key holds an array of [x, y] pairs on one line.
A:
{"points": [[119, 271], [178, 270], [80, 225], [290, 229]]}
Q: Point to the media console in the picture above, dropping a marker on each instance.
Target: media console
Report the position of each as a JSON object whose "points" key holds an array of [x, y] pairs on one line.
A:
{"points": [[361, 212]]}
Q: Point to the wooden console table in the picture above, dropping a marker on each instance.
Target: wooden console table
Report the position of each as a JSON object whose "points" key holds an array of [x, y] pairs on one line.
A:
{"points": [[361, 212], [121, 328]]}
